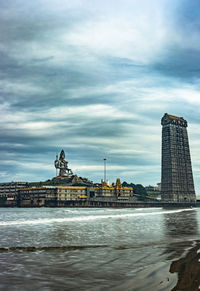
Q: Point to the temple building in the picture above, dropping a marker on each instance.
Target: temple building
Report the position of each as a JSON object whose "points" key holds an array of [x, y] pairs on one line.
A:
{"points": [[62, 195], [176, 179], [115, 191]]}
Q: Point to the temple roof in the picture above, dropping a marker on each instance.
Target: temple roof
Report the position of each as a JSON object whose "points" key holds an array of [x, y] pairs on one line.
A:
{"points": [[172, 119]]}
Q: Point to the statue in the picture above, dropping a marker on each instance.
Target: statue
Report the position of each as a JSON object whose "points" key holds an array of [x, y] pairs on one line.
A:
{"points": [[62, 165]]}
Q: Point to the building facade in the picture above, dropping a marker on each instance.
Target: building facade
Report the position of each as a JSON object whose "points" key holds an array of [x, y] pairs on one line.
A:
{"points": [[9, 192], [72, 193], [176, 179], [62, 195], [50, 195], [36, 196], [115, 191], [154, 191]]}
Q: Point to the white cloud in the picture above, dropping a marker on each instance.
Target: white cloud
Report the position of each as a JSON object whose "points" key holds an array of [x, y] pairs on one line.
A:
{"points": [[21, 87], [119, 37]]}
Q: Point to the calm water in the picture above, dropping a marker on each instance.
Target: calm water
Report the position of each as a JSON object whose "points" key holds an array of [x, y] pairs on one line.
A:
{"points": [[93, 249]]}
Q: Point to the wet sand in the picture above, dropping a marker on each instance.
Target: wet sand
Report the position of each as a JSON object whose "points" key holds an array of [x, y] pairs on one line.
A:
{"points": [[182, 274], [188, 270], [154, 278]]}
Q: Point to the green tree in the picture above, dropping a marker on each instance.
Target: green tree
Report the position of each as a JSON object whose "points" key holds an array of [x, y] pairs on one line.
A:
{"points": [[137, 188]]}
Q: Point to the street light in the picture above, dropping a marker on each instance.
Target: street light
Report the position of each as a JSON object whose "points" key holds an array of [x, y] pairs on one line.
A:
{"points": [[104, 169]]}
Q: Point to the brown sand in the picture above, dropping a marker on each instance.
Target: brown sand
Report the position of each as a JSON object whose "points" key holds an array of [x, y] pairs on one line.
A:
{"points": [[188, 270], [156, 277], [180, 275]]}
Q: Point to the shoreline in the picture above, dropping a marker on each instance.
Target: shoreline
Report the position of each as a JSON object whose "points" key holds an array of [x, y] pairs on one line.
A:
{"points": [[180, 274]]}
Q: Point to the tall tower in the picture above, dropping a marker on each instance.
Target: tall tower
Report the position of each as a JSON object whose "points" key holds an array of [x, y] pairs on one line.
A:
{"points": [[177, 179]]}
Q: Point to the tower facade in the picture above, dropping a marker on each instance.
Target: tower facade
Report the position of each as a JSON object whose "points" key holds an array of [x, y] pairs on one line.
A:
{"points": [[176, 180]]}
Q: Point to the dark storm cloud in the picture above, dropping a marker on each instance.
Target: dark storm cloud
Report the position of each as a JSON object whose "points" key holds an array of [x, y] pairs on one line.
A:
{"points": [[188, 14], [181, 56], [24, 29], [180, 63]]}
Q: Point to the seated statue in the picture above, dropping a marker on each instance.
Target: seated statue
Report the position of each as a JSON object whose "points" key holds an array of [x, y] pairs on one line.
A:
{"points": [[62, 165]]}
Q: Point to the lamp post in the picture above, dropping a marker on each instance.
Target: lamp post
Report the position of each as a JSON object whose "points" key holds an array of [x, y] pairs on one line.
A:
{"points": [[56, 168], [104, 169]]}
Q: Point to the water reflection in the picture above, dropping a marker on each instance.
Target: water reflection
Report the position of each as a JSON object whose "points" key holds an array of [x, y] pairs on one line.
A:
{"points": [[181, 229], [181, 224]]}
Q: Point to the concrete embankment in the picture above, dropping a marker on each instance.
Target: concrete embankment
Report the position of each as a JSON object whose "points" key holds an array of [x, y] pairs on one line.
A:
{"points": [[122, 204], [105, 203]]}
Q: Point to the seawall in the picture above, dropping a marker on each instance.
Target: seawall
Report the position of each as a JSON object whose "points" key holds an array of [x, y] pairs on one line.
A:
{"points": [[105, 203]]}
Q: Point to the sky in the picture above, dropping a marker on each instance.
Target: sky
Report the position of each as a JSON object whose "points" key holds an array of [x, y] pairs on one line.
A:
{"points": [[95, 78]]}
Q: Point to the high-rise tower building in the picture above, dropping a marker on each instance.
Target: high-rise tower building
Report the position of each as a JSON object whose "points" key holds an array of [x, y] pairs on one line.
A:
{"points": [[177, 179]]}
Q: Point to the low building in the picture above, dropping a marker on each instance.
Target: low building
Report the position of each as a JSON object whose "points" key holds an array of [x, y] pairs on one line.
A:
{"points": [[9, 192], [103, 190], [154, 191], [159, 186], [50, 195], [65, 193], [37, 196], [115, 191]]}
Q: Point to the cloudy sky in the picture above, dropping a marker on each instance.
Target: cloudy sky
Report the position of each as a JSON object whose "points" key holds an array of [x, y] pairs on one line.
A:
{"points": [[94, 78]]}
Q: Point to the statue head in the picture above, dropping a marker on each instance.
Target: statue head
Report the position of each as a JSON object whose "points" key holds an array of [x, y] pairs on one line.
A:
{"points": [[62, 155]]}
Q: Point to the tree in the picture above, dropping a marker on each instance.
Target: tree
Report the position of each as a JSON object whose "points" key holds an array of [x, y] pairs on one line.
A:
{"points": [[137, 188], [140, 189]]}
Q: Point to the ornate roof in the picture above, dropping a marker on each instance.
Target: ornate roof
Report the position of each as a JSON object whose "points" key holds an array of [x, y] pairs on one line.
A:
{"points": [[172, 119]]}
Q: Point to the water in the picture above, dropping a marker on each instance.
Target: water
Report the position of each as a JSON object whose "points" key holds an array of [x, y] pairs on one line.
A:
{"points": [[94, 249]]}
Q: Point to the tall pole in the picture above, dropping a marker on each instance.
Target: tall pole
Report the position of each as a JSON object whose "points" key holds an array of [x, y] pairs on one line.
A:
{"points": [[56, 168], [104, 169]]}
